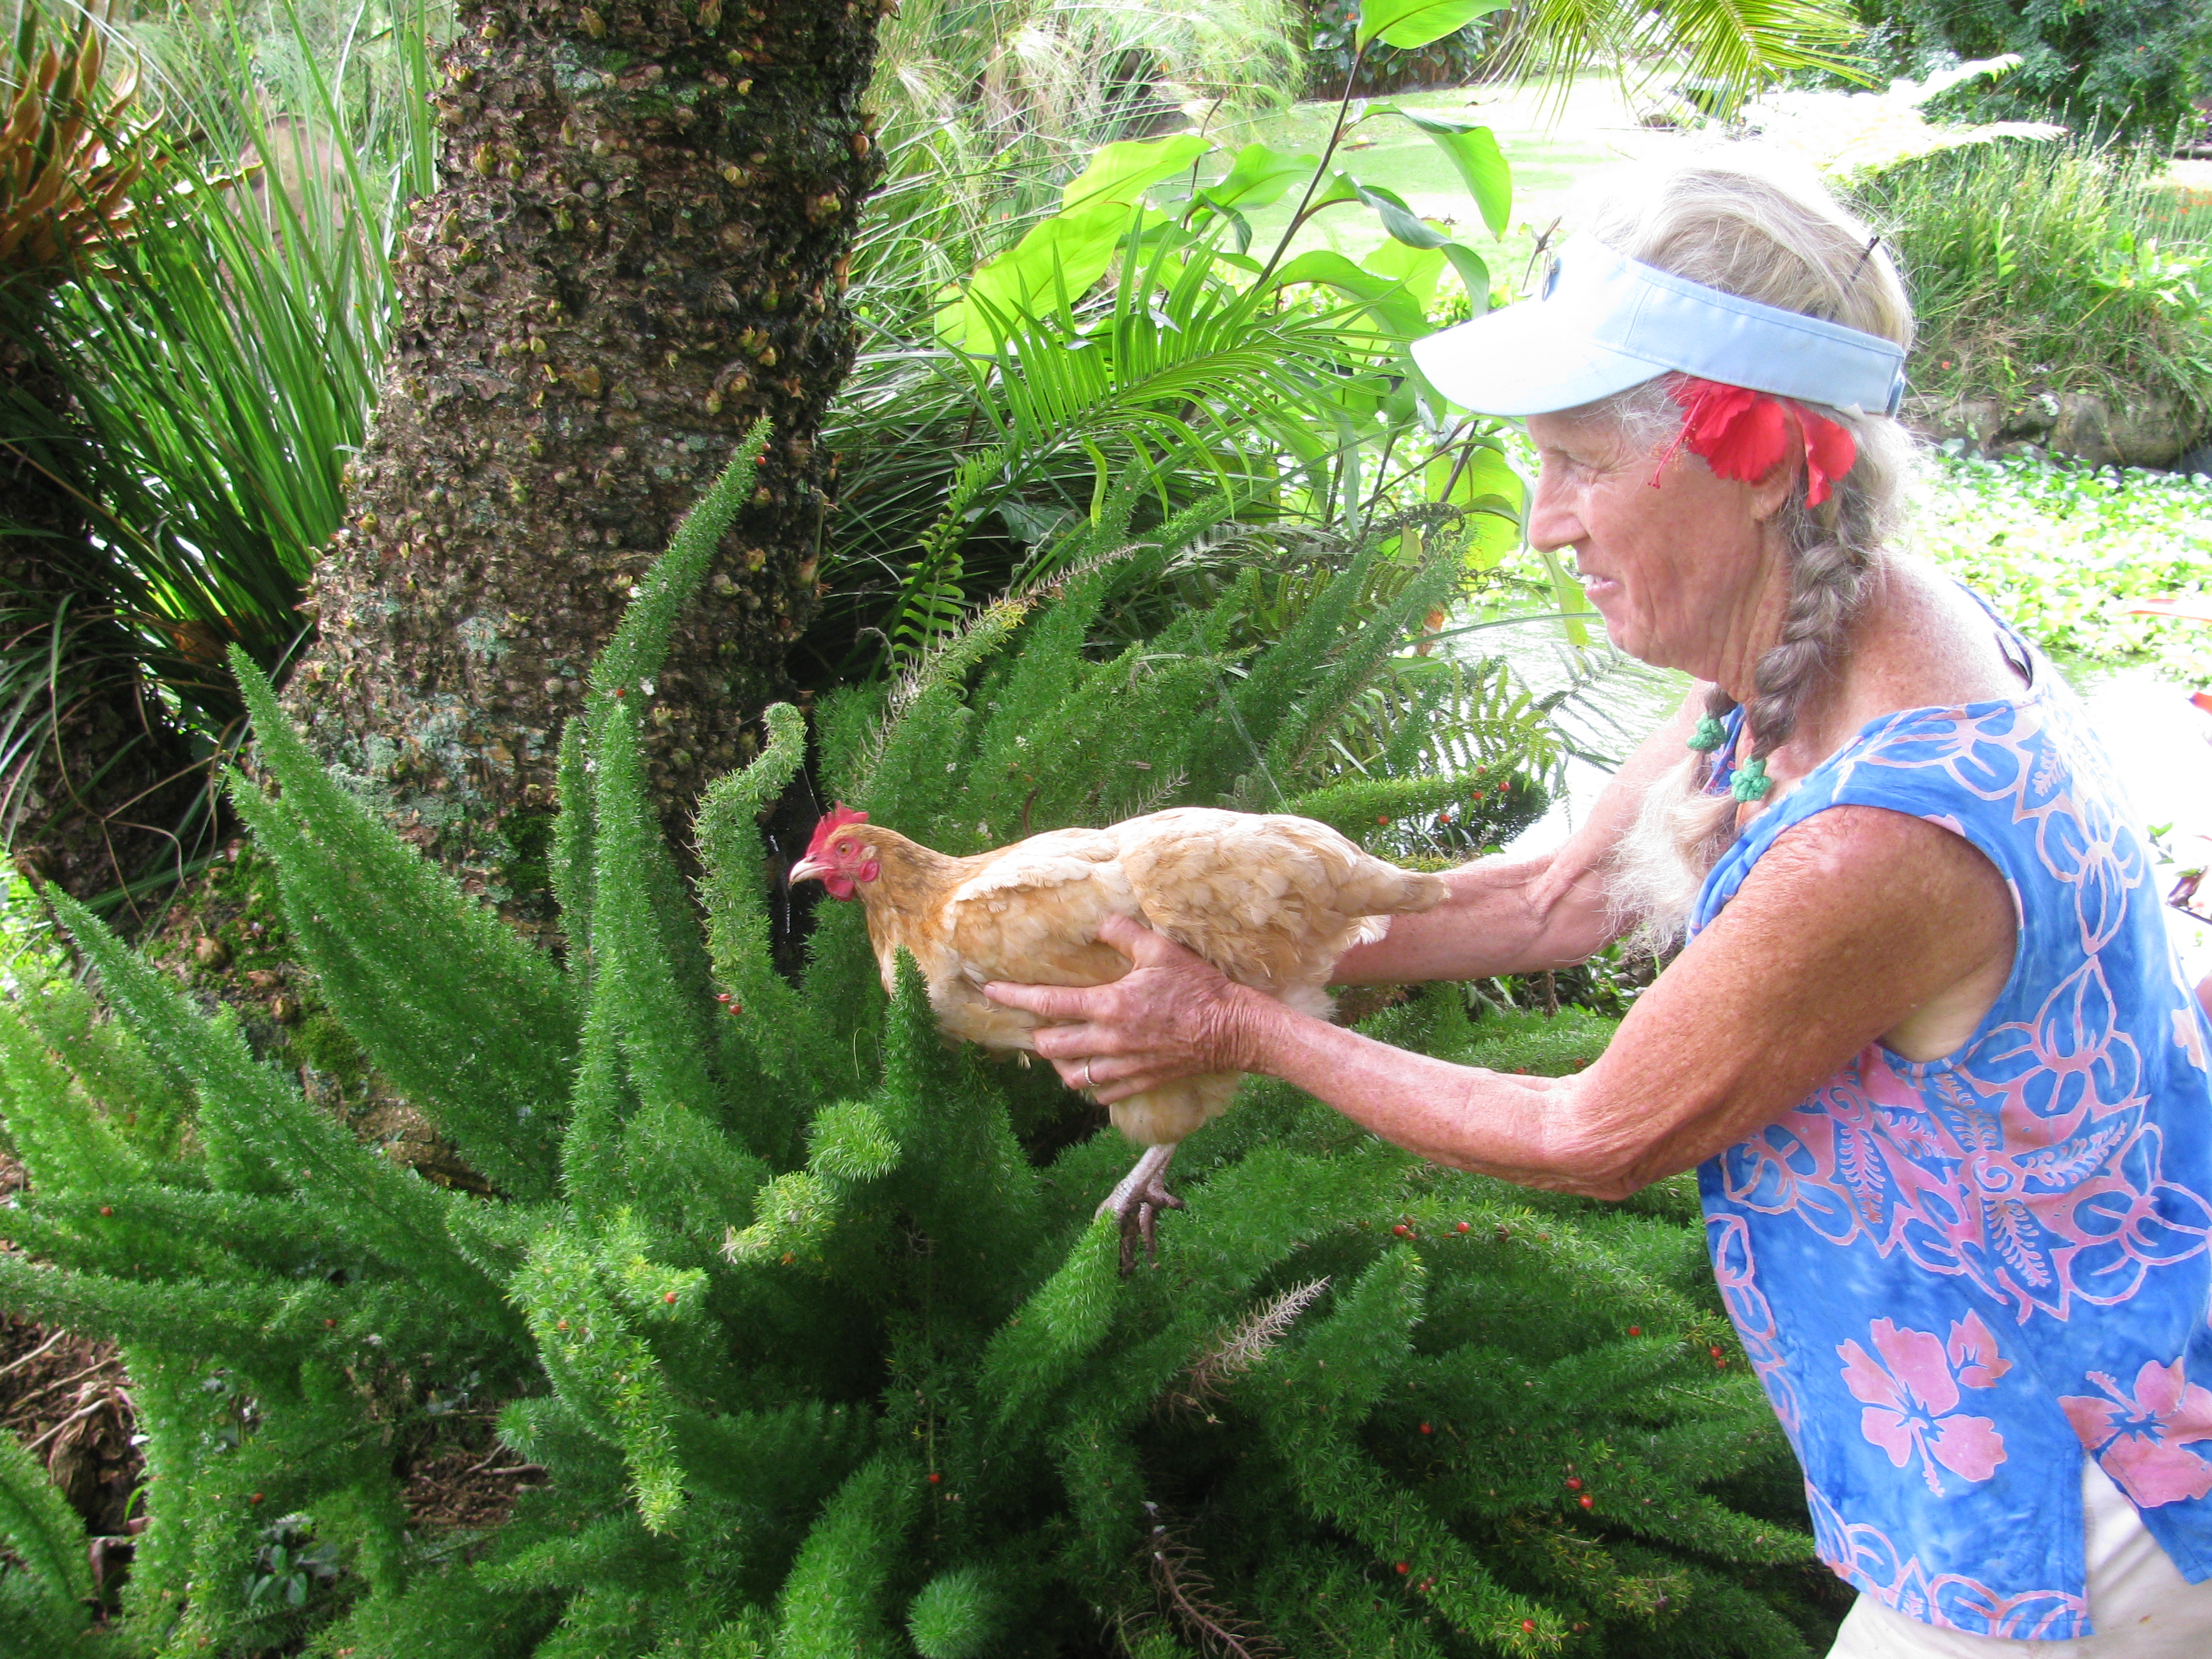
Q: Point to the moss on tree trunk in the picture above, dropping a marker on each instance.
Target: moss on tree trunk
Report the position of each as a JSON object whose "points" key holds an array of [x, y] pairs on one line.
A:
{"points": [[638, 249]]}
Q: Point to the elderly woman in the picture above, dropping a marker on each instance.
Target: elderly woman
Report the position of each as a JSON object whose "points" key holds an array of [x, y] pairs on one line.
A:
{"points": [[1927, 1047]]}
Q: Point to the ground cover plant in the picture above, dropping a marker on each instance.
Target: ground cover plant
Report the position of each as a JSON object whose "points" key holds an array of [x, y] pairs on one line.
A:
{"points": [[804, 1314], [2061, 550]]}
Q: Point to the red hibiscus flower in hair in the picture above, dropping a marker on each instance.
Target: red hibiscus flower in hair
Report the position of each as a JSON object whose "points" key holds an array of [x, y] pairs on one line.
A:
{"points": [[1741, 435]]}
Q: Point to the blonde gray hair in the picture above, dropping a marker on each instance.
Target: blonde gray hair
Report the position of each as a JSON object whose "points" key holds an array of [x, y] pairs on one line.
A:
{"points": [[1745, 221]]}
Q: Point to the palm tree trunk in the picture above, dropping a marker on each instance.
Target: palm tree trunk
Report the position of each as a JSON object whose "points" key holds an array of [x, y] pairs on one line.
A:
{"points": [[638, 250]]}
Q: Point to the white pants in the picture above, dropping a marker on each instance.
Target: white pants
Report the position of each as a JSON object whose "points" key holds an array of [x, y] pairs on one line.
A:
{"points": [[2140, 1604]]}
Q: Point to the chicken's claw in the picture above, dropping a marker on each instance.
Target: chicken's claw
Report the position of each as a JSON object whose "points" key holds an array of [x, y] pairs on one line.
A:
{"points": [[1137, 1203]]}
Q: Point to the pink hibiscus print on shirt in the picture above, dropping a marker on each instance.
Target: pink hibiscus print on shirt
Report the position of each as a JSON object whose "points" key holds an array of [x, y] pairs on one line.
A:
{"points": [[2139, 1440], [1911, 1397]]}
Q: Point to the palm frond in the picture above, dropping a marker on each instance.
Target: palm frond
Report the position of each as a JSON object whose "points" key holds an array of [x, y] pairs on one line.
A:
{"points": [[1734, 46]]}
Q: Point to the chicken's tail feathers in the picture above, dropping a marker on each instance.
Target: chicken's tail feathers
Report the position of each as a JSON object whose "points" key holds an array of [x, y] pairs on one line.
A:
{"points": [[1379, 890]]}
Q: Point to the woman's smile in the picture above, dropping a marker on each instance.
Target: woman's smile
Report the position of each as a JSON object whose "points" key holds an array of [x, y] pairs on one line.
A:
{"points": [[1681, 564]]}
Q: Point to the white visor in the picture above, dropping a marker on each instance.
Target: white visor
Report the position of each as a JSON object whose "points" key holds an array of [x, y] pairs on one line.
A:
{"points": [[1604, 323]]}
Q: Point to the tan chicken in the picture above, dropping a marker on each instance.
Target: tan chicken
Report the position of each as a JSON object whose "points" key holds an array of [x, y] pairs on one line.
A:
{"points": [[1270, 901]]}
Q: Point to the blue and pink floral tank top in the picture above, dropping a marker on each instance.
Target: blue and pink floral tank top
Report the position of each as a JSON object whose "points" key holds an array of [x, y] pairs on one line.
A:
{"points": [[1954, 1277]]}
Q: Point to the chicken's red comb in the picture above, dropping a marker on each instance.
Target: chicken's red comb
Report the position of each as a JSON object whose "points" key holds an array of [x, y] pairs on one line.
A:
{"points": [[840, 816]]}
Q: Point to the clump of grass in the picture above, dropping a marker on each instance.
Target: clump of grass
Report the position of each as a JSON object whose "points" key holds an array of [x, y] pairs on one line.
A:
{"points": [[2054, 268], [217, 366]]}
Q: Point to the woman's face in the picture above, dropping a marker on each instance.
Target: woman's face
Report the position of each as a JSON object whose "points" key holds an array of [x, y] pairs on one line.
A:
{"points": [[1685, 575]]}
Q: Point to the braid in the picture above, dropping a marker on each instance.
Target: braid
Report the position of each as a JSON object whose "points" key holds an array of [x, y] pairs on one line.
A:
{"points": [[1718, 706], [1749, 222], [1827, 583]]}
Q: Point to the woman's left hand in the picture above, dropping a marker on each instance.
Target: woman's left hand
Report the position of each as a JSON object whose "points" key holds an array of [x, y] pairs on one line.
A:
{"points": [[1172, 1015]]}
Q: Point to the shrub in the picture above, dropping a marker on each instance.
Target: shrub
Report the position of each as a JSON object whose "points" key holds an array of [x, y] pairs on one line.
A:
{"points": [[217, 364], [804, 1314], [1334, 47], [2117, 70], [2048, 268]]}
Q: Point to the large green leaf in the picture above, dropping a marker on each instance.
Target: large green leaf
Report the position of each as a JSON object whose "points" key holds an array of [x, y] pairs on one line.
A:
{"points": [[1472, 271], [1060, 260], [1399, 219], [1056, 264], [1385, 297], [1122, 173], [1484, 482], [1574, 606], [1473, 151], [1337, 187], [1417, 267], [1407, 24], [1258, 177]]}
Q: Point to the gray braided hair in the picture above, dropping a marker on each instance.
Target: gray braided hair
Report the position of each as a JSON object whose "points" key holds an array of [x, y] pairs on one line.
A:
{"points": [[1743, 220]]}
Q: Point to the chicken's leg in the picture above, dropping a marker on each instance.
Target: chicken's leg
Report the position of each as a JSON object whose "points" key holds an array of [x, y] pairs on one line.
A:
{"points": [[1138, 1201]]}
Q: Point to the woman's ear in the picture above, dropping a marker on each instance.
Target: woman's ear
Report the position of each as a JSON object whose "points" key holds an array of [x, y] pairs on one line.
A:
{"points": [[1771, 489]]}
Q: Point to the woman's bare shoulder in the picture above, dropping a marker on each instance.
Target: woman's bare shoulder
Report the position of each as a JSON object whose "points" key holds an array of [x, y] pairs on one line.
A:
{"points": [[1925, 642]]}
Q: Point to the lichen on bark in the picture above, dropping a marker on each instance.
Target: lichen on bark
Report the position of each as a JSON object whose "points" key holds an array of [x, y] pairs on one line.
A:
{"points": [[639, 249]]}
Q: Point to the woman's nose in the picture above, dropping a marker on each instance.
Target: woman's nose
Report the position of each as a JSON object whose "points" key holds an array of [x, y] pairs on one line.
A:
{"points": [[1553, 521]]}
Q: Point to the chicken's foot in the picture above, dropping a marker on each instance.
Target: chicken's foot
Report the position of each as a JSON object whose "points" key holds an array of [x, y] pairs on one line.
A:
{"points": [[1137, 1203]]}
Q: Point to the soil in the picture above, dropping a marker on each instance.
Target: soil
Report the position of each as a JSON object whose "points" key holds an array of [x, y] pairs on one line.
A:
{"points": [[465, 1491], [67, 1398]]}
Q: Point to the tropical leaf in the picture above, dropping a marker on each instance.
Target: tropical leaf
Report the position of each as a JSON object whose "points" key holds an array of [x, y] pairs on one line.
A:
{"points": [[1410, 24], [931, 603], [1399, 218], [1257, 178], [1195, 370], [1473, 153], [1122, 173], [1386, 299]]}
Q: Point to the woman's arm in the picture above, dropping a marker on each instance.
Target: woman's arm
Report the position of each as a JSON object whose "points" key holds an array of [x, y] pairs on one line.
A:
{"points": [[1848, 924], [1522, 915]]}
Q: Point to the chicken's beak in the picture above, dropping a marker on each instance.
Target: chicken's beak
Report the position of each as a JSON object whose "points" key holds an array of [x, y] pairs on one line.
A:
{"points": [[807, 870]]}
